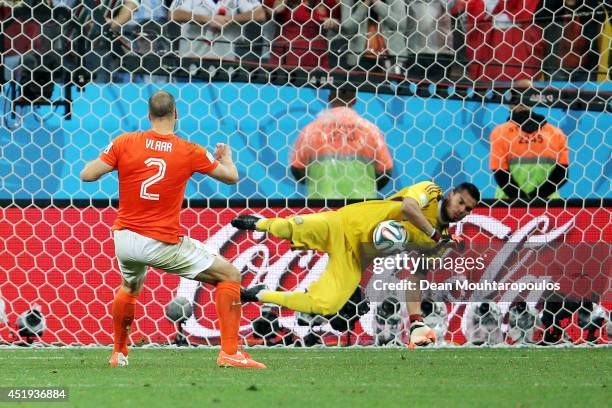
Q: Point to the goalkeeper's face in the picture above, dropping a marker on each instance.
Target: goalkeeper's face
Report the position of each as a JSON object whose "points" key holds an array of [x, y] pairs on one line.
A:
{"points": [[458, 204]]}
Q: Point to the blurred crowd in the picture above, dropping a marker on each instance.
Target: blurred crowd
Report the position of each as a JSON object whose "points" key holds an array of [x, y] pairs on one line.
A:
{"points": [[478, 40]]}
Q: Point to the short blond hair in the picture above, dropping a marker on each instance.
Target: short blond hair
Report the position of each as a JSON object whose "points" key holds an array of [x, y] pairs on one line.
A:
{"points": [[162, 105]]}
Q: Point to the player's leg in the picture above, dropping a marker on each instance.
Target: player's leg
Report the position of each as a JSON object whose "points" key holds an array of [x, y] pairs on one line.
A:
{"points": [[279, 227], [328, 294], [309, 231], [124, 305], [323, 232], [226, 278], [133, 272], [194, 261]]}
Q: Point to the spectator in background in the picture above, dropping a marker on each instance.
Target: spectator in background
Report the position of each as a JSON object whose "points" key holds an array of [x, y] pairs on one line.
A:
{"points": [[572, 29], [19, 35], [430, 41], [136, 14], [126, 13], [502, 42], [33, 50], [340, 154], [143, 26], [302, 28], [392, 17], [529, 156], [212, 29]]}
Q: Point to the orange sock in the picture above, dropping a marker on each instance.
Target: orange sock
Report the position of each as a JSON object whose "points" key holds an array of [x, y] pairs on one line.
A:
{"points": [[229, 311], [123, 316]]}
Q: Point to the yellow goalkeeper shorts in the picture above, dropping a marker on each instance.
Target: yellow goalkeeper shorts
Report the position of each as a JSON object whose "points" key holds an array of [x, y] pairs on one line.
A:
{"points": [[325, 232]]}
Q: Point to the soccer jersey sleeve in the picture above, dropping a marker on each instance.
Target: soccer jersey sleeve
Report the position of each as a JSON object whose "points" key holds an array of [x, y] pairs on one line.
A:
{"points": [[424, 193], [202, 161], [110, 155], [499, 150]]}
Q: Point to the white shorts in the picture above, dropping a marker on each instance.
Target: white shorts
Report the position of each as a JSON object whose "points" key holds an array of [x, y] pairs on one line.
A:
{"points": [[135, 252]]}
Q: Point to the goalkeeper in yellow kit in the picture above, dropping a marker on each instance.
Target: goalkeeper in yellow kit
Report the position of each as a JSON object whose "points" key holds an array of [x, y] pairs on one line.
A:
{"points": [[421, 208]]}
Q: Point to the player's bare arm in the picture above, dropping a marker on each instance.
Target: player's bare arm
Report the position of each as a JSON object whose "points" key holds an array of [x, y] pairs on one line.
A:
{"points": [[226, 172], [95, 169]]}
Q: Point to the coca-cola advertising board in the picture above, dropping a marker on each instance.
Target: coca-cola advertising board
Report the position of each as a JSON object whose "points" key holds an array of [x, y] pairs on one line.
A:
{"points": [[62, 259]]}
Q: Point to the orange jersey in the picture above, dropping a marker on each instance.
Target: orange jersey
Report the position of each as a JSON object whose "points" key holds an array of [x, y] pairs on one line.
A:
{"points": [[509, 144], [340, 133], [153, 172]]}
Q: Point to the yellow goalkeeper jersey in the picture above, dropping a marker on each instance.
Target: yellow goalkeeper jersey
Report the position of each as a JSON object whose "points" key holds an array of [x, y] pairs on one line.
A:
{"points": [[360, 219]]}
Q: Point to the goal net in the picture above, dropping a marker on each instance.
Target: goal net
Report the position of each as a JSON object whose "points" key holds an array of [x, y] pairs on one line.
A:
{"points": [[513, 97]]}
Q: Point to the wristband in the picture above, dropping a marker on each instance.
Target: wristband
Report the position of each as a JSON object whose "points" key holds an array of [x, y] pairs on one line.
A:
{"points": [[436, 236]]}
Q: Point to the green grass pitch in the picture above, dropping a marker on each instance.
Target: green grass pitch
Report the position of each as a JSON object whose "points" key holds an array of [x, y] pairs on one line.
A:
{"points": [[319, 378]]}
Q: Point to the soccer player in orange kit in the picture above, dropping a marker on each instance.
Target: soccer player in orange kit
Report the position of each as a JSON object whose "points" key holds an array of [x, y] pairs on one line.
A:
{"points": [[154, 167]]}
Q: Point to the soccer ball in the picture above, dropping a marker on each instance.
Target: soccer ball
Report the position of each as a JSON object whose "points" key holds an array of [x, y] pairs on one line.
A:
{"points": [[179, 309], [31, 324], [389, 237]]}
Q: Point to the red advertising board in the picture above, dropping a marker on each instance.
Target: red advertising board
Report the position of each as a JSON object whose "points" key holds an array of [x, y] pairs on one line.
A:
{"points": [[62, 259]]}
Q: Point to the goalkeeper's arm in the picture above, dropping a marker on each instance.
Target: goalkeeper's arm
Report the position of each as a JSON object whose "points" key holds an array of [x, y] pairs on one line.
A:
{"points": [[413, 213]]}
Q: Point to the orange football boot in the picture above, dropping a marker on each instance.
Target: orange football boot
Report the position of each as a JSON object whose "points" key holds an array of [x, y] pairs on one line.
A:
{"points": [[118, 359], [239, 360]]}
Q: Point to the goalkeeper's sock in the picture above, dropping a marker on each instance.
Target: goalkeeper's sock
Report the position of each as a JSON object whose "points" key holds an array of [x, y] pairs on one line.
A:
{"points": [[279, 227], [229, 310], [123, 316], [298, 301]]}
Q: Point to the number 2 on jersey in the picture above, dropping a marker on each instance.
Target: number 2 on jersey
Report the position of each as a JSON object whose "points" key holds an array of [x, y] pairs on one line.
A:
{"points": [[161, 172]]}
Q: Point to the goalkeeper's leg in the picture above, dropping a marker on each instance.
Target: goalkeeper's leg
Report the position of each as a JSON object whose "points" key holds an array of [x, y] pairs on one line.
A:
{"points": [[328, 294], [322, 232], [324, 304], [318, 231], [279, 227]]}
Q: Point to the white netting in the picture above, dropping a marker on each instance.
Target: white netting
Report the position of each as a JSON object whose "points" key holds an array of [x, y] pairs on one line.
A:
{"points": [[434, 79]]}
